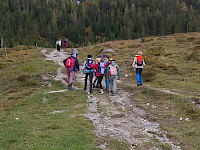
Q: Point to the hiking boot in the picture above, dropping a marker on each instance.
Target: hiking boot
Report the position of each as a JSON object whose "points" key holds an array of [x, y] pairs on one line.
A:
{"points": [[93, 86], [91, 92], [70, 87], [84, 89], [138, 83]]}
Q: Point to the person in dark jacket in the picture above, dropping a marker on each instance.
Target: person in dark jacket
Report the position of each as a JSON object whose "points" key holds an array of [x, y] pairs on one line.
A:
{"points": [[88, 71], [71, 71]]}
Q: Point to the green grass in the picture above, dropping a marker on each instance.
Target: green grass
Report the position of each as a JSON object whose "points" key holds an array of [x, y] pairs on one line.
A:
{"points": [[27, 113], [171, 61], [117, 145], [169, 109]]}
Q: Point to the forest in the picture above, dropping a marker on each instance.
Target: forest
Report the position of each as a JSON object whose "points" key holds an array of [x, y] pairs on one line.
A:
{"points": [[27, 22]]}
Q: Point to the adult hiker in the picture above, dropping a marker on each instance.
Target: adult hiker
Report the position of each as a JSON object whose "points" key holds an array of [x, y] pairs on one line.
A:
{"points": [[138, 65], [100, 71], [88, 71], [72, 66], [74, 51], [58, 44], [113, 73], [65, 44]]}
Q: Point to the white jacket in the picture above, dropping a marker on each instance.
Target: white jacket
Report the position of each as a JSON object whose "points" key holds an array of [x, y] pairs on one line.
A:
{"points": [[134, 65]]}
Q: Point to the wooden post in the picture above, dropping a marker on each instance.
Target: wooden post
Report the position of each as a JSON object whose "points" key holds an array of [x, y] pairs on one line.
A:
{"points": [[6, 53], [1, 42]]}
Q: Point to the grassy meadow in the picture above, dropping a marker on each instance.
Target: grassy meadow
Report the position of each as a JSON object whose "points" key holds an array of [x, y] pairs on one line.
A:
{"points": [[172, 63], [30, 118]]}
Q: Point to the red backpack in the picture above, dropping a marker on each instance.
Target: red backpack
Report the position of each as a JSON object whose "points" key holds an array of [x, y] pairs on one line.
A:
{"points": [[70, 62], [139, 60]]}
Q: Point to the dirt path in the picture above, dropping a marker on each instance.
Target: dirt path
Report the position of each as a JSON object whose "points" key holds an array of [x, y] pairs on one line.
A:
{"points": [[115, 117]]}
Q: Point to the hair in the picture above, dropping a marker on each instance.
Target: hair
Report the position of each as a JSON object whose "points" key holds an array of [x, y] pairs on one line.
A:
{"points": [[140, 53], [102, 59], [97, 60], [89, 56]]}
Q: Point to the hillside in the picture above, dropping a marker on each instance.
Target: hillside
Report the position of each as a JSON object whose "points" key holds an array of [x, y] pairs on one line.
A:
{"points": [[37, 112], [27, 22]]}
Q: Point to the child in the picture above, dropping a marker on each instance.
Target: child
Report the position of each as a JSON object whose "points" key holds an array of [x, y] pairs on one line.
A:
{"points": [[100, 71], [88, 71], [95, 80], [65, 44], [72, 66], [113, 73], [58, 44]]}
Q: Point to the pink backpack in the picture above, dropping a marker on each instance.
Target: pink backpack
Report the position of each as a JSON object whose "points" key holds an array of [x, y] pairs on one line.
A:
{"points": [[113, 70]]}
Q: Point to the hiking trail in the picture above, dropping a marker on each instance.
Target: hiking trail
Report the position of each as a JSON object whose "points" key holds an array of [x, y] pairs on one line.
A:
{"points": [[114, 117]]}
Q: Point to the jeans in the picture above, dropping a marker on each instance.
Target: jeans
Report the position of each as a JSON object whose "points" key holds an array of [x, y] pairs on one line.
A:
{"points": [[107, 83], [90, 78], [139, 75]]}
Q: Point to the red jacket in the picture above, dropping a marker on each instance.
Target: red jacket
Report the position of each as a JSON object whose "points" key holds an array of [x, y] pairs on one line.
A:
{"points": [[96, 67]]}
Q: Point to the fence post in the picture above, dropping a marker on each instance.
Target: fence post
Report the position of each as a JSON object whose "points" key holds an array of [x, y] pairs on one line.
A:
{"points": [[6, 53]]}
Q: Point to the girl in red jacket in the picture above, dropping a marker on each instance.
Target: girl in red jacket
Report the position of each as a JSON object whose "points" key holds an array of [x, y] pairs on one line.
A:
{"points": [[100, 72]]}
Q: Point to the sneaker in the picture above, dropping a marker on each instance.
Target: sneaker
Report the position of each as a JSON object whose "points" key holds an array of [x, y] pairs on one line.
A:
{"points": [[113, 94], [101, 91]]}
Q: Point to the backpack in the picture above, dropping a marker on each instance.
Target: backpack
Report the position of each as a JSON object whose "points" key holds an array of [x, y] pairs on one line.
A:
{"points": [[69, 62], [101, 68], [113, 70], [139, 60], [87, 64]]}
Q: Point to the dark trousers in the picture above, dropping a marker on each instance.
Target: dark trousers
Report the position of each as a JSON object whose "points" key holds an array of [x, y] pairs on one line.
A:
{"points": [[58, 48], [90, 78], [99, 82]]}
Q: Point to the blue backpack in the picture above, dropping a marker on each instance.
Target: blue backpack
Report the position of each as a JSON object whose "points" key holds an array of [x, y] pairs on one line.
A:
{"points": [[87, 64]]}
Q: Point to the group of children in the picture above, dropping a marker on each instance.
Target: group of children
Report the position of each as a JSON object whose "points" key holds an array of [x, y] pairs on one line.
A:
{"points": [[101, 67]]}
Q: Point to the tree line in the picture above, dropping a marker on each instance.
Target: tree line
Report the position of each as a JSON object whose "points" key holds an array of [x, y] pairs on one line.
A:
{"points": [[86, 22]]}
